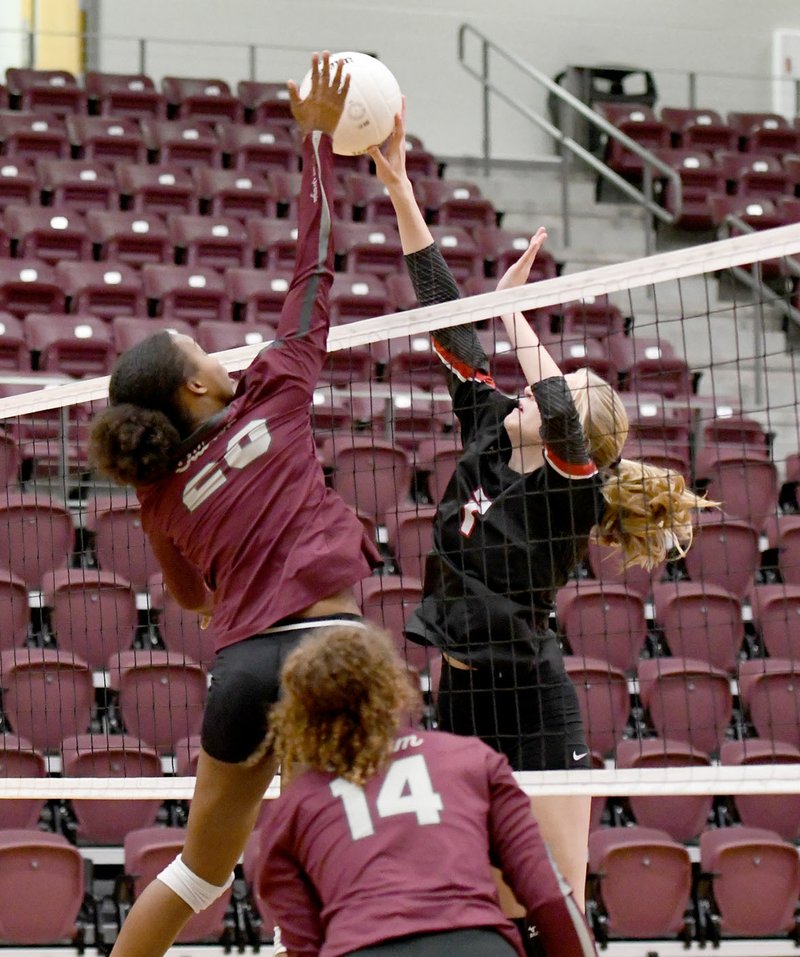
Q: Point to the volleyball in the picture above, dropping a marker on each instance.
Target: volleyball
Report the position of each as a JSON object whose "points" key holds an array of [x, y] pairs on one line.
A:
{"points": [[373, 100]]}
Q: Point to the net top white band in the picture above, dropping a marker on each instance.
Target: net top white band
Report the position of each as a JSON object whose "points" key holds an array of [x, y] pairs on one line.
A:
{"points": [[723, 254], [621, 782]]}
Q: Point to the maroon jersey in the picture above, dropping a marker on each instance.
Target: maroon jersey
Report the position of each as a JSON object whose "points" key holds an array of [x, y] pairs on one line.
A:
{"points": [[247, 504], [344, 867]]}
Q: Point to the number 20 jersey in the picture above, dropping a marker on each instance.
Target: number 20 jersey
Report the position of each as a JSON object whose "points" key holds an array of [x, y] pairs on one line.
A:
{"points": [[248, 504]]}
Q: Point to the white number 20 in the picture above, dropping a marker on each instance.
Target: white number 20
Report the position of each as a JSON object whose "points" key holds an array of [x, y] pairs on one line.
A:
{"points": [[407, 789], [251, 441]]}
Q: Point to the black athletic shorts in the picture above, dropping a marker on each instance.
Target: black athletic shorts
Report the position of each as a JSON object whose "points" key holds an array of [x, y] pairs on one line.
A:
{"points": [[527, 711], [471, 942], [245, 683]]}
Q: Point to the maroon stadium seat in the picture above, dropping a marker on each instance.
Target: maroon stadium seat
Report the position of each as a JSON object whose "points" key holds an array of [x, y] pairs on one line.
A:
{"points": [[266, 104], [687, 700], [357, 296], [106, 139], [258, 295], [604, 700], [437, 457], [702, 180], [286, 187], [13, 348], [104, 289], [637, 864], [745, 482], [777, 812], [186, 143], [605, 564], [602, 620], [784, 534], [110, 756], [189, 293], [215, 336], [92, 613], [368, 247], [45, 91], [19, 759], [724, 552], [459, 250], [700, 620], [274, 243], [180, 629], [764, 133], [769, 689], [639, 123], [70, 344], [147, 852], [592, 316], [368, 199], [41, 888], [161, 696], [776, 617], [684, 817], [739, 859], [128, 332], [122, 95], [371, 475], [132, 238], [47, 696], [754, 175], [237, 193], [121, 546], [257, 149], [203, 99], [18, 184], [699, 129], [215, 241], [455, 203], [14, 611], [410, 536], [157, 189], [31, 136], [388, 600], [78, 185], [412, 361], [36, 536], [501, 248], [48, 234]]}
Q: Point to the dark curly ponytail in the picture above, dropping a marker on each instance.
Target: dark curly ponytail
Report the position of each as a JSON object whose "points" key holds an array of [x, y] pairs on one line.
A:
{"points": [[136, 439]]}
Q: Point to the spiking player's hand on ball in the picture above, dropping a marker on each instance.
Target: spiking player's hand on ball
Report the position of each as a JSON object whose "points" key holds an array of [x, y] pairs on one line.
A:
{"points": [[390, 162], [322, 108]]}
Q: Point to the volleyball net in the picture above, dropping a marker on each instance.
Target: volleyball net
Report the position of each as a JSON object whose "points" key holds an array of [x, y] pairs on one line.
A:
{"points": [[688, 676]]}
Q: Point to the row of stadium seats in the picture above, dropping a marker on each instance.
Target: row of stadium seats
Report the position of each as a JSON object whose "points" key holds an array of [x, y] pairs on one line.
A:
{"points": [[84, 185], [46, 888]]}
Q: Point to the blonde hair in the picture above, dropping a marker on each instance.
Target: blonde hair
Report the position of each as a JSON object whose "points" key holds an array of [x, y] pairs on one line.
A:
{"points": [[344, 694], [648, 511]]}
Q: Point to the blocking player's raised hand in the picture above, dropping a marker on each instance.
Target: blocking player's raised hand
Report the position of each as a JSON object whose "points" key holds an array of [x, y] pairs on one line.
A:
{"points": [[518, 273], [390, 161], [322, 108]]}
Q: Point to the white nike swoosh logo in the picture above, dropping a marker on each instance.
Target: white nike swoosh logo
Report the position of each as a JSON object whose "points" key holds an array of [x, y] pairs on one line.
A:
{"points": [[577, 757]]}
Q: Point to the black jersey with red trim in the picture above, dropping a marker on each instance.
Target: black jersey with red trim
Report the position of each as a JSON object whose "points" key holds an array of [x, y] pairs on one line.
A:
{"points": [[247, 504], [503, 541]]}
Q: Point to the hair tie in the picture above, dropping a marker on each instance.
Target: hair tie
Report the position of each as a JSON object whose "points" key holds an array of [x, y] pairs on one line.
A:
{"points": [[615, 463]]}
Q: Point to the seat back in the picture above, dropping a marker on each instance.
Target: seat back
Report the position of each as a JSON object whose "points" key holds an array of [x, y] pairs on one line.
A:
{"points": [[180, 629], [110, 756], [410, 536], [36, 536], [604, 700], [19, 759], [120, 542], [161, 696], [389, 600], [604, 621], [41, 887], [48, 695], [776, 812]]}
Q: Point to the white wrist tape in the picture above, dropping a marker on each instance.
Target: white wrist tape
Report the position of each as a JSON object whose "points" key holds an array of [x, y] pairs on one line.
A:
{"points": [[196, 892]]}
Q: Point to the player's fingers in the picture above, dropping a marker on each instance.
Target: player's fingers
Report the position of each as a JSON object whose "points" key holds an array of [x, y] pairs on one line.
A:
{"points": [[315, 72], [294, 93], [345, 85], [336, 83]]}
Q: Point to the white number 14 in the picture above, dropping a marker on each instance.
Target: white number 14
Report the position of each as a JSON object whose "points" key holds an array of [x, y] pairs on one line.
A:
{"points": [[407, 789]]}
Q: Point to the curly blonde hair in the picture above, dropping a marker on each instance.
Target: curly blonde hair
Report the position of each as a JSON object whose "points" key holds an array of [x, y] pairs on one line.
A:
{"points": [[648, 511], [344, 693]]}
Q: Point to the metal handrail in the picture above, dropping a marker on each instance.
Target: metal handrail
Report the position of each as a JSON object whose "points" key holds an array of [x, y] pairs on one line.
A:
{"points": [[643, 198]]}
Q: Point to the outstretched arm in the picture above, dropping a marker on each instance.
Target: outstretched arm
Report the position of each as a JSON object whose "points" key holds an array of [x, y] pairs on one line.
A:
{"points": [[535, 361]]}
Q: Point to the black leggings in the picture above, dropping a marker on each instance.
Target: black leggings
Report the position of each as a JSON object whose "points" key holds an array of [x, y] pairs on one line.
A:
{"points": [[474, 942], [527, 711]]}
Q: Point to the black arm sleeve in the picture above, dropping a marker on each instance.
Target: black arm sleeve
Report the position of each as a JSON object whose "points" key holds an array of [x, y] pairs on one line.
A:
{"points": [[562, 435], [434, 283]]}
